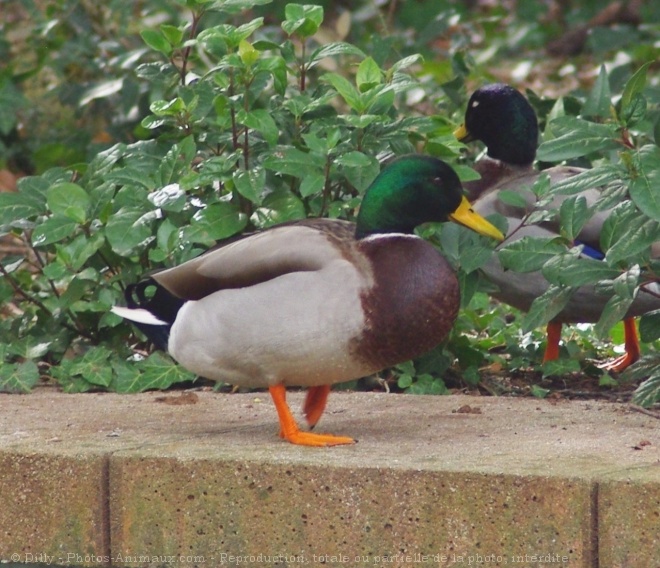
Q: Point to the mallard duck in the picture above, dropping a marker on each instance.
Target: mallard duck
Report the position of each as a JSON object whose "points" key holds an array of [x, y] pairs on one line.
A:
{"points": [[319, 301], [502, 118]]}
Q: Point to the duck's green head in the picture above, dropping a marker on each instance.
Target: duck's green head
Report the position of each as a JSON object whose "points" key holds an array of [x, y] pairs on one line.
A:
{"points": [[504, 121], [413, 190]]}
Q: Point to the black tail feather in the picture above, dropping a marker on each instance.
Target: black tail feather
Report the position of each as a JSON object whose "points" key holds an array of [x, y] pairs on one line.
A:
{"points": [[151, 296]]}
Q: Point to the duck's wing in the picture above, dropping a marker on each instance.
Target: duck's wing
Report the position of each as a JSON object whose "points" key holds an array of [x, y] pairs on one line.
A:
{"points": [[262, 256]]}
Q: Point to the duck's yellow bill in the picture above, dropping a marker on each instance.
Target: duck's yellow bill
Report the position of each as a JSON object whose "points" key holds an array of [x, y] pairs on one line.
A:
{"points": [[461, 133], [465, 215]]}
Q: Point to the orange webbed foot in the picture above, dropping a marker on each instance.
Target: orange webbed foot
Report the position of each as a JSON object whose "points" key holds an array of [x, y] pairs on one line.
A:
{"points": [[289, 429], [632, 349], [315, 402]]}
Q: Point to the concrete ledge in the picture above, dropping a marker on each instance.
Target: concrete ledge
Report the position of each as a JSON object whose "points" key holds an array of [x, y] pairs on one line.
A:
{"points": [[201, 479]]}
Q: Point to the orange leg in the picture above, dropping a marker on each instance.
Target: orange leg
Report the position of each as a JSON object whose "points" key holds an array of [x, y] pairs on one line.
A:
{"points": [[552, 346], [315, 402], [632, 348], [289, 429]]}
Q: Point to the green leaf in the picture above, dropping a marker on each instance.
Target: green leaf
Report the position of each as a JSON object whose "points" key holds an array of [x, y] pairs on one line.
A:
{"points": [[294, 162], [539, 392], [312, 184], [644, 186], [571, 270], [587, 179], [53, 230], [573, 214], [261, 121], [129, 230], [18, 377], [626, 233], [332, 50], [250, 184], [547, 306], [159, 372], [302, 19], [635, 111], [173, 34], [649, 326], [368, 75], [634, 86], [648, 393], [15, 207], [278, 207], [93, 366], [215, 222], [614, 311], [578, 138], [169, 198], [598, 102], [560, 367], [529, 253], [346, 90], [69, 200], [247, 53], [156, 40], [513, 198]]}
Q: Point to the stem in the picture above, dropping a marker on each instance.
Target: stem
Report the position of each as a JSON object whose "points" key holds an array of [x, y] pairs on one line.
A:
{"points": [[303, 69], [326, 187], [185, 56], [232, 112]]}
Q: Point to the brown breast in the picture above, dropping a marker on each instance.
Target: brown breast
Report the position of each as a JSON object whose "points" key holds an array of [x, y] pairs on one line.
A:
{"points": [[413, 304]]}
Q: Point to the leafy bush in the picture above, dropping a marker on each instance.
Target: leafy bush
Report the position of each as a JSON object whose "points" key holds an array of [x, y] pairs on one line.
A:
{"points": [[230, 120]]}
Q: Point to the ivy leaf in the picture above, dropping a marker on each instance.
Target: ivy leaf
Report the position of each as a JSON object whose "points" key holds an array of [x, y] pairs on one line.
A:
{"points": [[93, 366], [18, 377], [159, 371]]}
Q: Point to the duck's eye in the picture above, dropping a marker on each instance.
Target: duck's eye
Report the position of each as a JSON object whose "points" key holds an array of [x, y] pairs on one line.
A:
{"points": [[474, 104]]}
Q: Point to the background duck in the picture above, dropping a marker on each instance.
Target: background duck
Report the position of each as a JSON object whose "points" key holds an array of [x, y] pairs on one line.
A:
{"points": [[319, 301], [502, 118]]}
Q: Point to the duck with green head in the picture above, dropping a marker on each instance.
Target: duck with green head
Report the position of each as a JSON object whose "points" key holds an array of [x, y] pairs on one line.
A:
{"points": [[316, 302], [502, 118]]}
